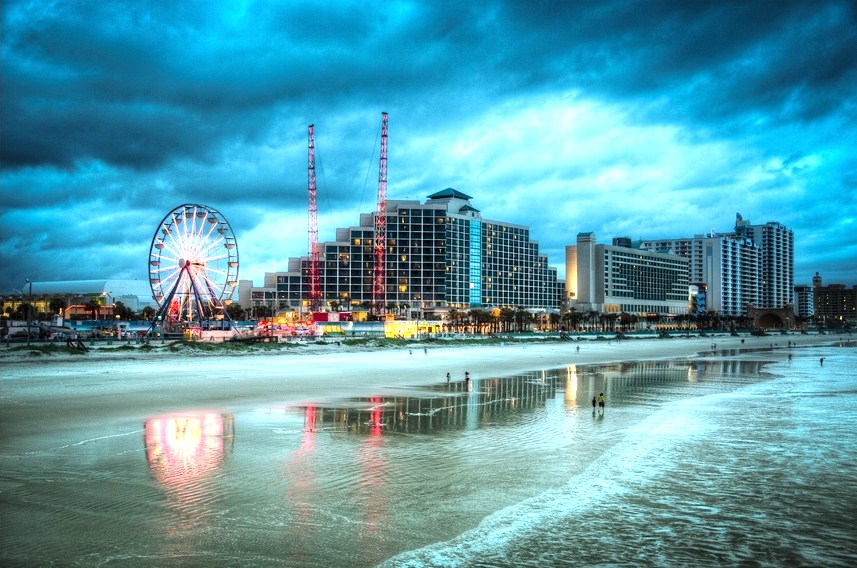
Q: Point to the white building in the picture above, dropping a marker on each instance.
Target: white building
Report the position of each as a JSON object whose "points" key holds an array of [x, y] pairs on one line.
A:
{"points": [[727, 267], [619, 278], [752, 265], [804, 301], [440, 254], [776, 269]]}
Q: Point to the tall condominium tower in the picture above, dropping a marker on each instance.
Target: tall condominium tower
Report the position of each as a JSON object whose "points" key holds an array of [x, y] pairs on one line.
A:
{"points": [[776, 271], [439, 254], [727, 266], [752, 265]]}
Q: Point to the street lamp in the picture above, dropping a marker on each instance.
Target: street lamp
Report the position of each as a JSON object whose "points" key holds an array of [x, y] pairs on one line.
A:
{"points": [[29, 309]]}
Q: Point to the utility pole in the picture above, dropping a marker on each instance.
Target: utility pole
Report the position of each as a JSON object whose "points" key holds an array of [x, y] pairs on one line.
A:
{"points": [[29, 309]]}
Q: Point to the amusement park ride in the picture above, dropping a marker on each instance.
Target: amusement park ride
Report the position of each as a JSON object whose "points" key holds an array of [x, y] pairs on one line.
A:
{"points": [[193, 270]]}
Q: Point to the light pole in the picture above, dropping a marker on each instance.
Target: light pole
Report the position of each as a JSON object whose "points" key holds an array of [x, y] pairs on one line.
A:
{"points": [[29, 309], [109, 295]]}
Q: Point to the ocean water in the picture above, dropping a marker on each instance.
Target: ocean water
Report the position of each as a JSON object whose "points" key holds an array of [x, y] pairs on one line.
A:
{"points": [[730, 458]]}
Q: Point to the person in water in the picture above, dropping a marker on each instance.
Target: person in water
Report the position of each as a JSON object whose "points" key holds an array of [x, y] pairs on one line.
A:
{"points": [[601, 401], [593, 403]]}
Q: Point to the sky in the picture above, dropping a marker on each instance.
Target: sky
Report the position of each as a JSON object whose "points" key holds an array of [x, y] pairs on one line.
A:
{"points": [[629, 119]]}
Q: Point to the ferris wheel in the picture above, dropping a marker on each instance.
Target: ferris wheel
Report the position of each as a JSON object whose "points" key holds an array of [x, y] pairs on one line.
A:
{"points": [[193, 265]]}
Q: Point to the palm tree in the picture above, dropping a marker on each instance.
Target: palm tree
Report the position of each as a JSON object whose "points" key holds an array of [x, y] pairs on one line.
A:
{"points": [[57, 306], [571, 319], [507, 317], [454, 316], [94, 307], [480, 317], [523, 319], [626, 320], [235, 311], [592, 318], [611, 320]]}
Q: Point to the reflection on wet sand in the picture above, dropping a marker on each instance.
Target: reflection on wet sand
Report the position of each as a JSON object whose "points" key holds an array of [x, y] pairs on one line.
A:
{"points": [[181, 448], [447, 406], [474, 404]]}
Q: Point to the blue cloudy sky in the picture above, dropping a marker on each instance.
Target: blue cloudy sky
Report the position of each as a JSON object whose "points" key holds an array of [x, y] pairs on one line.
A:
{"points": [[641, 119]]}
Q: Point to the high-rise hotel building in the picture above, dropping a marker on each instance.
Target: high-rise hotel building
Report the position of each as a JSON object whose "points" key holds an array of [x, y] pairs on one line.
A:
{"points": [[440, 254], [725, 266], [752, 265], [623, 278], [777, 267], [835, 304]]}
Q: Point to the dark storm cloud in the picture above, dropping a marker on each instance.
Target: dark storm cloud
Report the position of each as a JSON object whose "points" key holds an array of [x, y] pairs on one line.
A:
{"points": [[663, 115], [708, 60], [137, 86]]}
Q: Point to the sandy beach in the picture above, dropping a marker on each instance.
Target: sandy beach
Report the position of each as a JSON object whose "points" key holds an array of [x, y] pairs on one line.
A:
{"points": [[159, 381], [358, 455], [314, 367]]}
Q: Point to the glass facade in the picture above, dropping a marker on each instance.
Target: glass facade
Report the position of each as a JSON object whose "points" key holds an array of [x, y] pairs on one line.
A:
{"points": [[475, 272]]}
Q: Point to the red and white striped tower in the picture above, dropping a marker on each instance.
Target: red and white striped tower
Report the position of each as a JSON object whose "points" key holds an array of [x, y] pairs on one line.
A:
{"points": [[314, 257], [379, 286]]}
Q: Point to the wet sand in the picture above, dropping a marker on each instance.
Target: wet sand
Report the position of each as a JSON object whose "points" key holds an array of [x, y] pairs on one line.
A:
{"points": [[133, 381], [173, 459]]}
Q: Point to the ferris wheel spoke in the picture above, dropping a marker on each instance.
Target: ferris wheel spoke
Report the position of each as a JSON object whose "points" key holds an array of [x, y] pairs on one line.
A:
{"points": [[211, 243], [206, 282]]}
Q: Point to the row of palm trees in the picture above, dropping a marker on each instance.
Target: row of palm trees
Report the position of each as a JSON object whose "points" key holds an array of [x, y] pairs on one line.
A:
{"points": [[518, 319]]}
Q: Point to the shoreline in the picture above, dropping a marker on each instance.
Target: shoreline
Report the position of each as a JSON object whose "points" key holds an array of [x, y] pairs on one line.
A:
{"points": [[152, 381]]}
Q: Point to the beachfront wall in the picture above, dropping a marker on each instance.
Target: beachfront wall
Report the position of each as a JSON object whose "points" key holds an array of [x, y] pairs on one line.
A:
{"points": [[620, 279]]}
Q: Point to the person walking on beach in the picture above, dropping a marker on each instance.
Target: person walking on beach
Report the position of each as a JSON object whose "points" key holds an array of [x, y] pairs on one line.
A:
{"points": [[601, 402], [593, 404]]}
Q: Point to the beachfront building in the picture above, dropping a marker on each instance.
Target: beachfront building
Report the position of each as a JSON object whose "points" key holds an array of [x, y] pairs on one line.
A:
{"points": [[751, 266], [803, 301], [835, 304], [67, 298], [621, 278], [776, 267], [441, 254], [725, 266]]}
